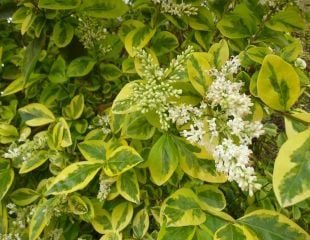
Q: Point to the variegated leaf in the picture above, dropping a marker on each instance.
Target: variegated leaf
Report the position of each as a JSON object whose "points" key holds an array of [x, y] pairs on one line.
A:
{"points": [[182, 208], [74, 177]]}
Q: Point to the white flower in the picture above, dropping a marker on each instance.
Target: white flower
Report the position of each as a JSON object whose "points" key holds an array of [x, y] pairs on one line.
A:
{"points": [[231, 66], [12, 153], [212, 127], [225, 93], [233, 160], [245, 130], [196, 133], [300, 63], [178, 9], [104, 190]]}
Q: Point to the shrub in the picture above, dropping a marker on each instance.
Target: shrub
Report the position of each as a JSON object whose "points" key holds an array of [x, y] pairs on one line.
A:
{"points": [[153, 119]]}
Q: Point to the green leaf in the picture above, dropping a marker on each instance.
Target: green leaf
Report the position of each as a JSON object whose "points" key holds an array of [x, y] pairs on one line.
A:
{"points": [[39, 220], [287, 20], [240, 23], [122, 103], [66, 137], [111, 236], [36, 114], [24, 196], [8, 133], [58, 71], [203, 169], [3, 218], [176, 233], [102, 220], [59, 5], [291, 51], [270, 225], [14, 87], [31, 57], [121, 160], [74, 177], [128, 66], [257, 54], [163, 159], [197, 66], [75, 109], [77, 205], [27, 23], [164, 42], [234, 231], [138, 38], [136, 126], [93, 150], [182, 208], [110, 72], [212, 224], [35, 160], [292, 169], [211, 197], [203, 20], [218, 54], [128, 187], [62, 34], [6, 180], [121, 216], [140, 224], [278, 84], [103, 9], [80, 67]]}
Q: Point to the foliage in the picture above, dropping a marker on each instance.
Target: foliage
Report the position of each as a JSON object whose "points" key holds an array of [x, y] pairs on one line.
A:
{"points": [[153, 119]]}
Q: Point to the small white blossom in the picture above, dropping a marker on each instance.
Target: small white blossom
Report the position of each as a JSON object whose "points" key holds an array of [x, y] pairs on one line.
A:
{"points": [[178, 9], [213, 127], [196, 133], [104, 190], [226, 94], [300, 63], [12, 153], [154, 93], [233, 160], [245, 130]]}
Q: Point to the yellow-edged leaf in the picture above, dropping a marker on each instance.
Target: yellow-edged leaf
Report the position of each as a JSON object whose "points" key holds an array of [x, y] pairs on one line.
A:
{"points": [[278, 84], [74, 177], [292, 170]]}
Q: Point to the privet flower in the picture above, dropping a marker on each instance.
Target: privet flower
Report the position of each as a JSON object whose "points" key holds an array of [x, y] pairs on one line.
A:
{"points": [[178, 9], [154, 92], [92, 34], [219, 125], [26, 150], [10, 236], [21, 217], [55, 234], [105, 184], [101, 121]]}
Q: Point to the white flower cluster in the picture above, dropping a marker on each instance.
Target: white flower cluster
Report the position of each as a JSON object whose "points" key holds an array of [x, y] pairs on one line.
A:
{"points": [[101, 121], [92, 34], [10, 236], [27, 149], [154, 93], [195, 133], [22, 216], [226, 133], [178, 9], [226, 94], [233, 160], [105, 184], [55, 234], [269, 3], [182, 114]]}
